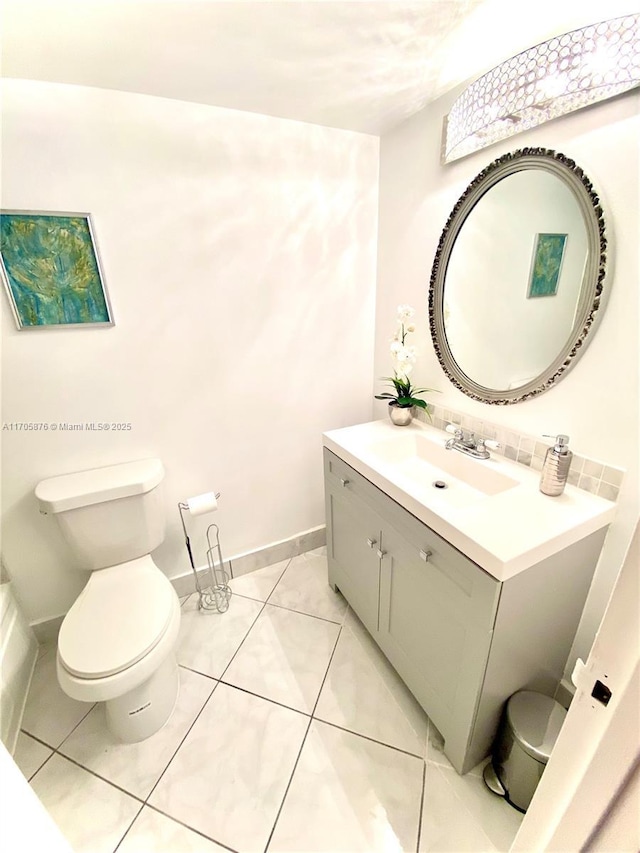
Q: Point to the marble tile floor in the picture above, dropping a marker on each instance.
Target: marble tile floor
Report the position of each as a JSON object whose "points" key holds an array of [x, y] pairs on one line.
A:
{"points": [[291, 733]]}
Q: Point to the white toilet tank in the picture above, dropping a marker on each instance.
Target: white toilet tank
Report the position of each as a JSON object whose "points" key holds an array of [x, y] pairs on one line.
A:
{"points": [[108, 515]]}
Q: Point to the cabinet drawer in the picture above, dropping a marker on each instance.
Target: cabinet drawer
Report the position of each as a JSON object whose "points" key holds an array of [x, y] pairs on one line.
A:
{"points": [[342, 478]]}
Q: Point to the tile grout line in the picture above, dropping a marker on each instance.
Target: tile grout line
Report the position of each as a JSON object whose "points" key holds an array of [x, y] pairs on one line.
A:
{"points": [[295, 710], [370, 739], [313, 615], [98, 776], [47, 759], [335, 646], [343, 728], [311, 714], [275, 586], [304, 740], [422, 798], [197, 672], [190, 828], [292, 609], [253, 598], [38, 739], [242, 642], [286, 791], [143, 802], [328, 722], [128, 829], [262, 609], [265, 698], [65, 738], [258, 615], [175, 820], [243, 595], [218, 682], [186, 735], [268, 599]]}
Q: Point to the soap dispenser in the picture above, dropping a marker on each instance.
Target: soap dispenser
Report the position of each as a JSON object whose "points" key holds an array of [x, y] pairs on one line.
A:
{"points": [[555, 469]]}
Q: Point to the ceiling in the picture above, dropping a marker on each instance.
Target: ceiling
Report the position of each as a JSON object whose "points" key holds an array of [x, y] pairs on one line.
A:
{"points": [[359, 65]]}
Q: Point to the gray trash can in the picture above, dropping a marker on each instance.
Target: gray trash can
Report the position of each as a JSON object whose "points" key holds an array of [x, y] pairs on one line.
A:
{"points": [[529, 729]]}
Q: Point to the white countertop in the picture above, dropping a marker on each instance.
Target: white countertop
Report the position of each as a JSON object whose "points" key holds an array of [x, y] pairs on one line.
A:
{"points": [[504, 533]]}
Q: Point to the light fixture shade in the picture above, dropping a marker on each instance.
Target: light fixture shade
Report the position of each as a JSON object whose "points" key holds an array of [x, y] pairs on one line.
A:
{"points": [[554, 78]]}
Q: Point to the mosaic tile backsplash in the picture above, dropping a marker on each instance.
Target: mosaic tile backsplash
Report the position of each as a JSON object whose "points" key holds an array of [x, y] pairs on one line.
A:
{"points": [[588, 474]]}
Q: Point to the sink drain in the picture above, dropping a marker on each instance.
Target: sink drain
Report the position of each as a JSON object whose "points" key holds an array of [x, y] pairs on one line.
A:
{"points": [[439, 484]]}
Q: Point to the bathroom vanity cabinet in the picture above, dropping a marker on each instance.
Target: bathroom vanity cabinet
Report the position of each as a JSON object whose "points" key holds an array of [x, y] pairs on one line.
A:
{"points": [[462, 640]]}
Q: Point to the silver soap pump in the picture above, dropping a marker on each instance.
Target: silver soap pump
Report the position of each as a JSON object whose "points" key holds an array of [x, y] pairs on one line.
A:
{"points": [[555, 469]]}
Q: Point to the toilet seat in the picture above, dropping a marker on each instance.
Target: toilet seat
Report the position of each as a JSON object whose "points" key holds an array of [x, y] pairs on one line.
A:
{"points": [[119, 617]]}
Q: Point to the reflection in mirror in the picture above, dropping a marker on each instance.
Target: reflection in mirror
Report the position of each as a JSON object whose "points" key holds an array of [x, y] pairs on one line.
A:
{"points": [[517, 278], [486, 292]]}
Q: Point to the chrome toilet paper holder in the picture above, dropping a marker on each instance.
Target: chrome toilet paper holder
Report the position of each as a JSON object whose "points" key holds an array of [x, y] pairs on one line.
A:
{"points": [[215, 597]]}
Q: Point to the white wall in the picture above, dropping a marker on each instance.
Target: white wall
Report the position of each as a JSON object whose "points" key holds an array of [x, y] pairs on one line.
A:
{"points": [[239, 254], [597, 402]]}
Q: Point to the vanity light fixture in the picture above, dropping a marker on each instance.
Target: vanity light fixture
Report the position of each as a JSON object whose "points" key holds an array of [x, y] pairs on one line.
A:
{"points": [[554, 78]]}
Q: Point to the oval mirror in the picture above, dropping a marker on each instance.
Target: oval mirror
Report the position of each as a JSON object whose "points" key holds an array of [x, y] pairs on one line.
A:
{"points": [[517, 283]]}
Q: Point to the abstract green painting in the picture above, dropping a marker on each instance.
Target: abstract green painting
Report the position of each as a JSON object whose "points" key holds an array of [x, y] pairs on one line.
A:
{"points": [[51, 270], [548, 252]]}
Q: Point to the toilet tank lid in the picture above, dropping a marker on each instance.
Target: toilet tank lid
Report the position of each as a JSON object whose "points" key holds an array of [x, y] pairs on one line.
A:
{"points": [[84, 488]]}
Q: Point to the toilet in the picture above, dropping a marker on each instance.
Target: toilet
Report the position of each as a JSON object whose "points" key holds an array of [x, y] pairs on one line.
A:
{"points": [[117, 642]]}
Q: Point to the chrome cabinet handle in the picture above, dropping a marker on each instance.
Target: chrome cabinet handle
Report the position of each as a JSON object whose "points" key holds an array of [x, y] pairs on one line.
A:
{"points": [[381, 553], [371, 542], [343, 482], [424, 555]]}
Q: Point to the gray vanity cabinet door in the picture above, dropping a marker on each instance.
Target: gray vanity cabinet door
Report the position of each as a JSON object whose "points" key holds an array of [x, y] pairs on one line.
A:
{"points": [[353, 542], [437, 611]]}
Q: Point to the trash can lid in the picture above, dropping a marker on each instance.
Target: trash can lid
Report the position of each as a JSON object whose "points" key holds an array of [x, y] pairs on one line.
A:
{"points": [[536, 721]]}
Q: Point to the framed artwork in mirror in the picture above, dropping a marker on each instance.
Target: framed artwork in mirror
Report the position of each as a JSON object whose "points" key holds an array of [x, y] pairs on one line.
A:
{"points": [[546, 264], [51, 270]]}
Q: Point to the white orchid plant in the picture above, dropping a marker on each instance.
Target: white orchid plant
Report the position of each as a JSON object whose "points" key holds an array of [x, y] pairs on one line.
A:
{"points": [[403, 357]]}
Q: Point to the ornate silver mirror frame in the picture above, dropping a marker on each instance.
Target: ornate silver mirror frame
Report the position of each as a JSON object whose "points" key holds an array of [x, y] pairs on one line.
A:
{"points": [[592, 294]]}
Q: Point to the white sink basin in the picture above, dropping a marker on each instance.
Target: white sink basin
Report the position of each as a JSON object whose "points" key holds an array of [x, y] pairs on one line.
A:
{"points": [[465, 480], [492, 510]]}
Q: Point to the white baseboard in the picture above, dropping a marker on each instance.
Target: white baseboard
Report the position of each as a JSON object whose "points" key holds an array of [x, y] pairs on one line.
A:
{"points": [[249, 561]]}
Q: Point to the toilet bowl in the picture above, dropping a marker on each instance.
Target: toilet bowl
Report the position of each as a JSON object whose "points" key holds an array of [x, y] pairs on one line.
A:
{"points": [[117, 642], [116, 646]]}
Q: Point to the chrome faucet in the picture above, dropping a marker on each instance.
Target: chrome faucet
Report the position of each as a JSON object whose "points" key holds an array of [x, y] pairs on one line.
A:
{"points": [[466, 442]]}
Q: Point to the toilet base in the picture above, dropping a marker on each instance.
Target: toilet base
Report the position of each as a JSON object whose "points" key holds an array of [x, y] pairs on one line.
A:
{"points": [[144, 710]]}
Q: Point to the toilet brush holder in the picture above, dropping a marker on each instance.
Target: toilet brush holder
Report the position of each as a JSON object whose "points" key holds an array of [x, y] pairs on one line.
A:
{"points": [[214, 597]]}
